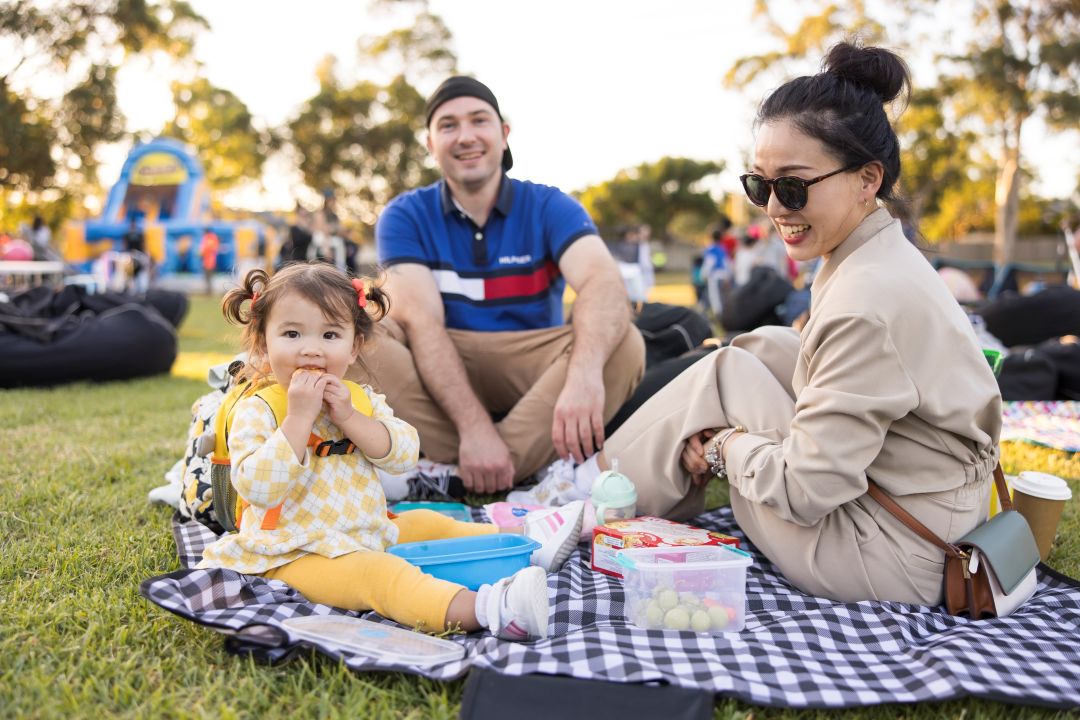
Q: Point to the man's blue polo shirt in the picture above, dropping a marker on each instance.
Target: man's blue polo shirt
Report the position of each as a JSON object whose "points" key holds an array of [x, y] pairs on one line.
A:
{"points": [[502, 276]]}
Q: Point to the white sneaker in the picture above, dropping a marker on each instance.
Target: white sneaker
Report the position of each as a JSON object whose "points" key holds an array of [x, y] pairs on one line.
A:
{"points": [[557, 488], [517, 606], [557, 530]]}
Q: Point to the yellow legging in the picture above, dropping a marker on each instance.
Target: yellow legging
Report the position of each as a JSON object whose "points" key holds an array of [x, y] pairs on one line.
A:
{"points": [[379, 581]]}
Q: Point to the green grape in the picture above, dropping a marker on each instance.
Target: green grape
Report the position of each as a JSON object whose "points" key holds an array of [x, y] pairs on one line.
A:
{"points": [[654, 614], [718, 615], [667, 598], [700, 621], [677, 619]]}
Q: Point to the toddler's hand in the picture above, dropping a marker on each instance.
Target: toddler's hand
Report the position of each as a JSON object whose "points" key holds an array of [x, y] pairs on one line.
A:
{"points": [[306, 391], [338, 400]]}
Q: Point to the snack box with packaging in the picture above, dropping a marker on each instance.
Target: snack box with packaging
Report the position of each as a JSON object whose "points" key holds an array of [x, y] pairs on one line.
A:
{"points": [[647, 532]]}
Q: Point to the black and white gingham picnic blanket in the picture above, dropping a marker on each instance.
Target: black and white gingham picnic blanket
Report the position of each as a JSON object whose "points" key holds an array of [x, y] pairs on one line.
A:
{"points": [[795, 651]]}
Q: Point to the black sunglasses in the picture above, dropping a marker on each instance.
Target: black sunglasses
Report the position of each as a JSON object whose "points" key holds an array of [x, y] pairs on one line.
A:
{"points": [[790, 190]]}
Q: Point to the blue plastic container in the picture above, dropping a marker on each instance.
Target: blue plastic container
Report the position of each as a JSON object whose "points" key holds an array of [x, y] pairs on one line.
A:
{"points": [[469, 561]]}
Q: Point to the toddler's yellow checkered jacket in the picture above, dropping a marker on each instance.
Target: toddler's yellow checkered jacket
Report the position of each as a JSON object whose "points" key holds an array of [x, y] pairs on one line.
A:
{"points": [[331, 505]]}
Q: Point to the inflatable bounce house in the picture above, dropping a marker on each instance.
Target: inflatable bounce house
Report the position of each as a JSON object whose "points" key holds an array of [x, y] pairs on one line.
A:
{"points": [[163, 189]]}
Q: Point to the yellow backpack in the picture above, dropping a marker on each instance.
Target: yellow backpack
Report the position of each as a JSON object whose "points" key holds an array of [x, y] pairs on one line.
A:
{"points": [[228, 505]]}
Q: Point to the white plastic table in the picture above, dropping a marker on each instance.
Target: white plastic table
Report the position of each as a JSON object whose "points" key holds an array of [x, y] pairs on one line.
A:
{"points": [[28, 273]]}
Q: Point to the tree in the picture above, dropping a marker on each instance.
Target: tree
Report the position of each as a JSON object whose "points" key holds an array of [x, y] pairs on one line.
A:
{"points": [[51, 141], [220, 126], [26, 136], [1023, 62], [943, 172], [653, 193], [813, 36], [365, 137]]}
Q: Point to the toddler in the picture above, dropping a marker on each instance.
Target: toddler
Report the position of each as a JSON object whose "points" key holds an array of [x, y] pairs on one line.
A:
{"points": [[319, 522]]}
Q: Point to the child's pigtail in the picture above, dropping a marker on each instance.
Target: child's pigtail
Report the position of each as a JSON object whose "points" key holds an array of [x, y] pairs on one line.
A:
{"points": [[378, 305], [232, 304]]}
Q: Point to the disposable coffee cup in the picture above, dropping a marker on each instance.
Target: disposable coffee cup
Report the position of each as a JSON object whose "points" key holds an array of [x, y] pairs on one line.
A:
{"points": [[1040, 498]]}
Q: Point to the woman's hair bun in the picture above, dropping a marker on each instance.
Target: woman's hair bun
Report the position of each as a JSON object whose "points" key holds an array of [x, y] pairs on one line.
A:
{"points": [[878, 69]]}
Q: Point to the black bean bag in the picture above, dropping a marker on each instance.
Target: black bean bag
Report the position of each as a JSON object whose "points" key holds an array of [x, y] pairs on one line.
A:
{"points": [[755, 304], [48, 338], [669, 330], [1031, 319]]}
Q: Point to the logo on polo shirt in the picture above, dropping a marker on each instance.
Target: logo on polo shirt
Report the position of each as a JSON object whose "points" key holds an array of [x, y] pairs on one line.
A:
{"points": [[515, 259]]}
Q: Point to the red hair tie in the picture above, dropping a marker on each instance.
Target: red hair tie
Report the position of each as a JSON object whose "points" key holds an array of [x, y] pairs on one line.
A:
{"points": [[358, 284], [254, 299]]}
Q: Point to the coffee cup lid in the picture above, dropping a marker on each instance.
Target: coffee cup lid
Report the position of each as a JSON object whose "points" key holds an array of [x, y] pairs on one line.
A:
{"points": [[1042, 485]]}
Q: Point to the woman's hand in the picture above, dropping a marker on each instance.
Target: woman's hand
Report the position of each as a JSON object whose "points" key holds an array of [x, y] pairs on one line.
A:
{"points": [[338, 400], [693, 457]]}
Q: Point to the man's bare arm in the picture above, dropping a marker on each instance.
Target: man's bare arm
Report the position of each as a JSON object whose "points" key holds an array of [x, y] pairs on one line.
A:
{"points": [[483, 458], [601, 317]]}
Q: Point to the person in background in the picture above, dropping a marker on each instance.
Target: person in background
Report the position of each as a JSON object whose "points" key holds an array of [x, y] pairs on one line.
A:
{"points": [[40, 237], [327, 242], [627, 253], [716, 266], [209, 245], [759, 248], [134, 243], [298, 244], [645, 259]]}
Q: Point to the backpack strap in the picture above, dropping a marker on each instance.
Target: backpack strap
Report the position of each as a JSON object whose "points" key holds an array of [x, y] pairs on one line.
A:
{"points": [[277, 399]]}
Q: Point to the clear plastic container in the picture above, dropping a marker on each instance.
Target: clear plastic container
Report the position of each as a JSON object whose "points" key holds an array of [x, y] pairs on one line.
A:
{"points": [[696, 589], [371, 639]]}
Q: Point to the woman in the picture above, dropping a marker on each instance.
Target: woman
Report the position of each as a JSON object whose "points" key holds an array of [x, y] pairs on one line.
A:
{"points": [[886, 380]]}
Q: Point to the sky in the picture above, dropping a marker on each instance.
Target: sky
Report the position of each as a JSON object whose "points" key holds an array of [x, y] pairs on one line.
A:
{"points": [[588, 87]]}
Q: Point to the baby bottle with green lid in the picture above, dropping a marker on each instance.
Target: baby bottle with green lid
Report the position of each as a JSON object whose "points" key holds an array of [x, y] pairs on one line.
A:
{"points": [[614, 496]]}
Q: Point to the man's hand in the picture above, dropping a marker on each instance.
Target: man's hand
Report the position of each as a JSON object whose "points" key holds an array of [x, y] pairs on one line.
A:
{"points": [[577, 428], [338, 400], [693, 457], [306, 390], [484, 461]]}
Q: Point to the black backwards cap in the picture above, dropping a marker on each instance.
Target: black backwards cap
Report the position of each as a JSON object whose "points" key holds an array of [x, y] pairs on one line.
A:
{"points": [[461, 86]]}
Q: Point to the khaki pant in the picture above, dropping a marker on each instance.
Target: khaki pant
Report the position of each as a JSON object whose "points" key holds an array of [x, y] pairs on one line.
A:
{"points": [[379, 581], [857, 552], [516, 375]]}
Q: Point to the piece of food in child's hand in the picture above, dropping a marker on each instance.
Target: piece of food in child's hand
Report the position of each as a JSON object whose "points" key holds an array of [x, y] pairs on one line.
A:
{"points": [[312, 370]]}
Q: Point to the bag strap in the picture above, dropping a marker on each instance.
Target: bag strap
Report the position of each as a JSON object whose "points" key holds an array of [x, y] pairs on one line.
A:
{"points": [[1004, 498], [886, 501]]}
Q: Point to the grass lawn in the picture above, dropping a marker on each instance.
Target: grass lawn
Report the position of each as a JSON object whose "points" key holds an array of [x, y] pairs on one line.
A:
{"points": [[77, 536]]}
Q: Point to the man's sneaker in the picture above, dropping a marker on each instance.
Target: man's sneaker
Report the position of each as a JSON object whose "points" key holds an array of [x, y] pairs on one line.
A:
{"points": [[436, 488], [557, 530], [428, 480], [557, 487], [517, 606]]}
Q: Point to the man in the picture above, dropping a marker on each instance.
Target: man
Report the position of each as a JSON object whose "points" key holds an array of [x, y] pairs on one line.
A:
{"points": [[475, 353]]}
